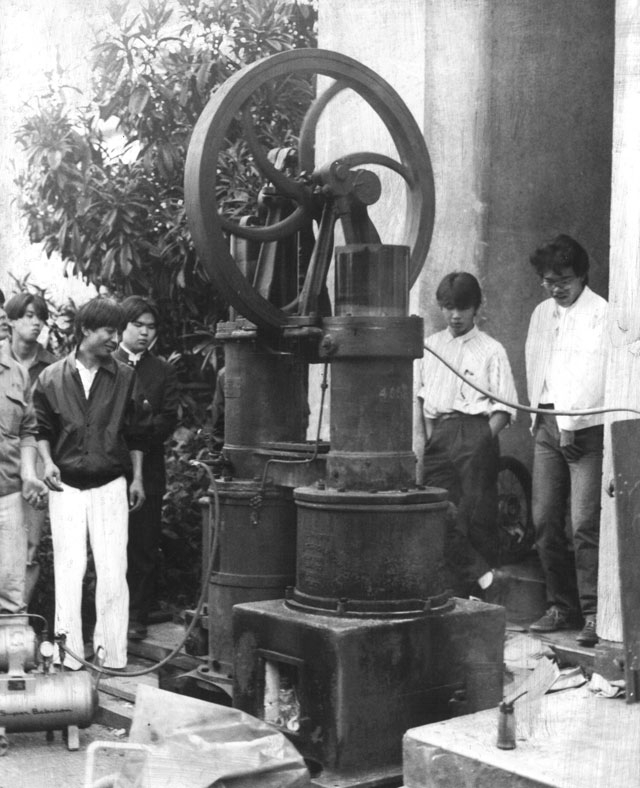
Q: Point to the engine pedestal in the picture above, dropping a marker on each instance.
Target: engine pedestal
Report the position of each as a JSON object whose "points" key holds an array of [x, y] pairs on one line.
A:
{"points": [[345, 690]]}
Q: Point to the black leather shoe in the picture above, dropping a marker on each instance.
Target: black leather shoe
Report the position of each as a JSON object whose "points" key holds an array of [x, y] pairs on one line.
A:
{"points": [[588, 636], [553, 620]]}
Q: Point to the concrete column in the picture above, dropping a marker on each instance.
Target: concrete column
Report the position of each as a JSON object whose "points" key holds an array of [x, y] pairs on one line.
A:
{"points": [[624, 366], [515, 99]]}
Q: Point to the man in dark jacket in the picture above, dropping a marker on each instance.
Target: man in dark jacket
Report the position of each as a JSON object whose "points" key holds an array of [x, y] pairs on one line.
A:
{"points": [[158, 382], [91, 436]]}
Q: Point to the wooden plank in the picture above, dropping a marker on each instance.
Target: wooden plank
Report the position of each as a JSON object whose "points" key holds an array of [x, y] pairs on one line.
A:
{"points": [[625, 439]]}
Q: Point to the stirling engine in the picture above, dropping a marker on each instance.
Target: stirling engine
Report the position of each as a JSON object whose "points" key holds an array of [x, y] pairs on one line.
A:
{"points": [[327, 600], [34, 694]]}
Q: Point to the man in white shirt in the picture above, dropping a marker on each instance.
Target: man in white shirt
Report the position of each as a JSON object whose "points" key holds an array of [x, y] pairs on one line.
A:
{"points": [[566, 362], [461, 426]]}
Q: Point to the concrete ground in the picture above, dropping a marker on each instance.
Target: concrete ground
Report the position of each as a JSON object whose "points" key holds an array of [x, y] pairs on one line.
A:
{"points": [[34, 762]]}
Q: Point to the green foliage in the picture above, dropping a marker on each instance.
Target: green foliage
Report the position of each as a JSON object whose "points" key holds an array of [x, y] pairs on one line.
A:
{"points": [[181, 540], [115, 212], [103, 188]]}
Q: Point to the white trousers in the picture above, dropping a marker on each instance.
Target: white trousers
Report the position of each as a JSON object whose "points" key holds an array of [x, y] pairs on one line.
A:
{"points": [[102, 514]]}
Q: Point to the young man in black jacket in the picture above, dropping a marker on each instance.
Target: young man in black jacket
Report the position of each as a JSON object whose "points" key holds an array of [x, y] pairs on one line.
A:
{"points": [[91, 436], [158, 382]]}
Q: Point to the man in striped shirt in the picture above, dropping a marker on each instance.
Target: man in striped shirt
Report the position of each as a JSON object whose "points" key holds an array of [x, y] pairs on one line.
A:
{"points": [[460, 428]]}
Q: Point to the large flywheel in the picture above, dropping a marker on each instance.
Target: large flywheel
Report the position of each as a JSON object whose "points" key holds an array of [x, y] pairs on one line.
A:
{"points": [[321, 194]]}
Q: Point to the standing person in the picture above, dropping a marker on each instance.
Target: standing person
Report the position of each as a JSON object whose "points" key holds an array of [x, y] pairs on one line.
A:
{"points": [[566, 363], [159, 384], [18, 480], [460, 431], [28, 313], [91, 438]]}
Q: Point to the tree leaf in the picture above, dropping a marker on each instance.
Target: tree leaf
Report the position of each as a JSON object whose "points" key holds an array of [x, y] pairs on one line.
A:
{"points": [[54, 157], [139, 99]]}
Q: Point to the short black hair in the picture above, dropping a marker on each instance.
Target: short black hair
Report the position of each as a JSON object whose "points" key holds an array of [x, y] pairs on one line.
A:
{"points": [[17, 305], [459, 290], [98, 313], [134, 306], [1, 298], [560, 252]]}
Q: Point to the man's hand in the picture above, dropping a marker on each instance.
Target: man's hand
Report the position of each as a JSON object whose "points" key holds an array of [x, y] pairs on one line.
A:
{"points": [[52, 476], [136, 495], [568, 445], [35, 492]]}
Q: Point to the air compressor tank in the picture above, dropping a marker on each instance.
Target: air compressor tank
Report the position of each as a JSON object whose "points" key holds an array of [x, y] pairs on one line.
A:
{"points": [[47, 701]]}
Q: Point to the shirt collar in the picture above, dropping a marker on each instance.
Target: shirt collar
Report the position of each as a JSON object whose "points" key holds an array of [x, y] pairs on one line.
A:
{"points": [[473, 332], [5, 353], [108, 364], [582, 299], [133, 358]]}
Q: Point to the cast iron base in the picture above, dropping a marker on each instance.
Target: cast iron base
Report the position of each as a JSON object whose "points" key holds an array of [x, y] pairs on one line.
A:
{"points": [[345, 690]]}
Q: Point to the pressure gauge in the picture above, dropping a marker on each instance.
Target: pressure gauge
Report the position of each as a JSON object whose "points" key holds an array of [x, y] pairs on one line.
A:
{"points": [[46, 649]]}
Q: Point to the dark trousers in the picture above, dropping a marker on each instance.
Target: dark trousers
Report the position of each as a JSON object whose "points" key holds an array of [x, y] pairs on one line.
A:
{"points": [[560, 486], [462, 457], [142, 556]]}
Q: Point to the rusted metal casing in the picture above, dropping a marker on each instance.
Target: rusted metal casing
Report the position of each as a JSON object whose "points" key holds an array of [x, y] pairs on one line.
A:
{"points": [[370, 554], [265, 398], [255, 558], [361, 683], [371, 401]]}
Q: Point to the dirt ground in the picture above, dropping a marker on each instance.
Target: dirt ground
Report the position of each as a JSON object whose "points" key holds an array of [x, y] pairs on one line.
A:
{"points": [[34, 762]]}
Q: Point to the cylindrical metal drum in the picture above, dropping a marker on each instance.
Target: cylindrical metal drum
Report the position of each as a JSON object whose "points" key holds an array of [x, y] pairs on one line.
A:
{"points": [[372, 279], [265, 399], [370, 554], [371, 400], [371, 431], [256, 555], [47, 701]]}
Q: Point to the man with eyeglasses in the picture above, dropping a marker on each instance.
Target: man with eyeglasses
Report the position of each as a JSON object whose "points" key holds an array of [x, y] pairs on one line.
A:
{"points": [[566, 362]]}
